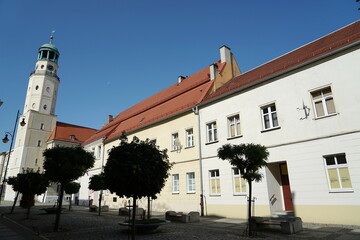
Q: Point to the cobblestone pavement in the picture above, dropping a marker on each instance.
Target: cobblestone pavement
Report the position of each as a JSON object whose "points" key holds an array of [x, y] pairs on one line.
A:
{"points": [[81, 224]]}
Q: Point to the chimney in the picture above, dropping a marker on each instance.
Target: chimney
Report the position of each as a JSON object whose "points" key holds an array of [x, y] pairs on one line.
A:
{"points": [[225, 54], [213, 71], [110, 118], [180, 78]]}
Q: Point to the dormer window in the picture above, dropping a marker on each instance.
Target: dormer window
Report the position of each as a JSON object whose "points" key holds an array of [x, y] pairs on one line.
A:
{"points": [[72, 137]]}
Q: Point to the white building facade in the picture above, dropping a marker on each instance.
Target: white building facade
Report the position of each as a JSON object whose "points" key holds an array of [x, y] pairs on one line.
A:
{"points": [[308, 116]]}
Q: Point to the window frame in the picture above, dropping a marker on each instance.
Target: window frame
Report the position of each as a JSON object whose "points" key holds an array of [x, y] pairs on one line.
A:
{"points": [[236, 124], [337, 166], [241, 193], [189, 138], [174, 146], [190, 183], [217, 182], [175, 183], [270, 115], [211, 127], [323, 100]]}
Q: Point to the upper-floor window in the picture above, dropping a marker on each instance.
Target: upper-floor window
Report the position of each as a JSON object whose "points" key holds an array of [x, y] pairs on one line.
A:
{"points": [[42, 126], [211, 132], [269, 116], [175, 183], [39, 143], [234, 126], [239, 182], [72, 137], [189, 137], [175, 143], [323, 102], [338, 172], [98, 155], [214, 182], [190, 180]]}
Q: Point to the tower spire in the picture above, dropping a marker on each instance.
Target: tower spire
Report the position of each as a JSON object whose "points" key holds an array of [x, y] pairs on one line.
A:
{"points": [[51, 36]]}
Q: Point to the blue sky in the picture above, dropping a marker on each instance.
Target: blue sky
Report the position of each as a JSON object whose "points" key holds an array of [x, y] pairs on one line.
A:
{"points": [[115, 53]]}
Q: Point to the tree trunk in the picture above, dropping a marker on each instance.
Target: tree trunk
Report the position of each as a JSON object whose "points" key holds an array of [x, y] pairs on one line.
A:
{"points": [[148, 210], [101, 192], [133, 219], [70, 202], [28, 212], [15, 200], [249, 211], [58, 212]]}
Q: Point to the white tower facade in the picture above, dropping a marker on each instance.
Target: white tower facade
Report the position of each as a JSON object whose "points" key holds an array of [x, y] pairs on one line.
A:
{"points": [[39, 115]]}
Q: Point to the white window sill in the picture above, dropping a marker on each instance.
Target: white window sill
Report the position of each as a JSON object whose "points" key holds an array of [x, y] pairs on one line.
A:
{"points": [[191, 192], [330, 115], [215, 195], [271, 129], [189, 147], [341, 190], [234, 137], [176, 193], [240, 194], [211, 142]]}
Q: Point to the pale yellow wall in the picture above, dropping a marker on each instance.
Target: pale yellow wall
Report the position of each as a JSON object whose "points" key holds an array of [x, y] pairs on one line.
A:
{"points": [[186, 160], [236, 211]]}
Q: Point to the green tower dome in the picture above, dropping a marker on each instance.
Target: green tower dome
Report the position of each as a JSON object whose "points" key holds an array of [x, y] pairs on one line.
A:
{"points": [[49, 52]]}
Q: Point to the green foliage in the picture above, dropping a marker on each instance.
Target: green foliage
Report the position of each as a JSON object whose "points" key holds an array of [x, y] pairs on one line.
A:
{"points": [[71, 187], [97, 182], [249, 158], [29, 183], [66, 164], [136, 169]]}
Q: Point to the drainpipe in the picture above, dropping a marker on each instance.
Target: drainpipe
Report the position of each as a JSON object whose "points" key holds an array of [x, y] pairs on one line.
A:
{"points": [[196, 112]]}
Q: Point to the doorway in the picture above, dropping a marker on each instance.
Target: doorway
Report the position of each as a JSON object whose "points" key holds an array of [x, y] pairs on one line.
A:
{"points": [[285, 184]]}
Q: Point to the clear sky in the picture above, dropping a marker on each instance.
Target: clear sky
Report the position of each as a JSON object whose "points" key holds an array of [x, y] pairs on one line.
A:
{"points": [[115, 53]]}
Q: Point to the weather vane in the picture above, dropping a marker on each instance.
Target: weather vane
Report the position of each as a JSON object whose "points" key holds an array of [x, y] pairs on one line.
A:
{"points": [[51, 36]]}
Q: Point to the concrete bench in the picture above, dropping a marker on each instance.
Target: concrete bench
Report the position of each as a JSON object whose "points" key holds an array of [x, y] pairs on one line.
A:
{"points": [[182, 217], [140, 212], [288, 225]]}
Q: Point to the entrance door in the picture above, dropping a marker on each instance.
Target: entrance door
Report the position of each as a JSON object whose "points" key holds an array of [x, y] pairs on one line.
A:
{"points": [[286, 187]]}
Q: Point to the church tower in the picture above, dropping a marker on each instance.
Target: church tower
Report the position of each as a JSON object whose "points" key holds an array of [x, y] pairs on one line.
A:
{"points": [[39, 114]]}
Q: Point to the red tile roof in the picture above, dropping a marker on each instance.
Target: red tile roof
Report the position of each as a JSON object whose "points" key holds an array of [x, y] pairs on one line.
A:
{"points": [[64, 131], [336, 40], [169, 102]]}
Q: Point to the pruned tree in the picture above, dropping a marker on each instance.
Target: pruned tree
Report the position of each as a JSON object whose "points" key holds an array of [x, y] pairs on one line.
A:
{"points": [[136, 169], [249, 159], [29, 184], [71, 188], [15, 186], [97, 183], [63, 165]]}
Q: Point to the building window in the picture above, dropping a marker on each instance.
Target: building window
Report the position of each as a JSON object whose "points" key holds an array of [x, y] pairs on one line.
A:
{"points": [[114, 199], [175, 183], [36, 162], [175, 143], [269, 116], [338, 172], [39, 143], [323, 102], [214, 182], [41, 126], [72, 137], [98, 152], [189, 137], [234, 126], [211, 131], [239, 182], [190, 180]]}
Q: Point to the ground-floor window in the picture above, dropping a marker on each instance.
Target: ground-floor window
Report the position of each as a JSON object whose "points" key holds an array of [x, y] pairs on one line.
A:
{"points": [[338, 172], [214, 182], [238, 182]]}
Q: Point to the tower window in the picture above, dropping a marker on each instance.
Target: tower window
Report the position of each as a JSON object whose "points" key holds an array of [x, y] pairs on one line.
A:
{"points": [[36, 162], [37, 87], [42, 126], [45, 107], [51, 55], [39, 143], [42, 66]]}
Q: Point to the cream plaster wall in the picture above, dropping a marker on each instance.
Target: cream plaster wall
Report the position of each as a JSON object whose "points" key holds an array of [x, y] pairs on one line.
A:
{"points": [[301, 142]]}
